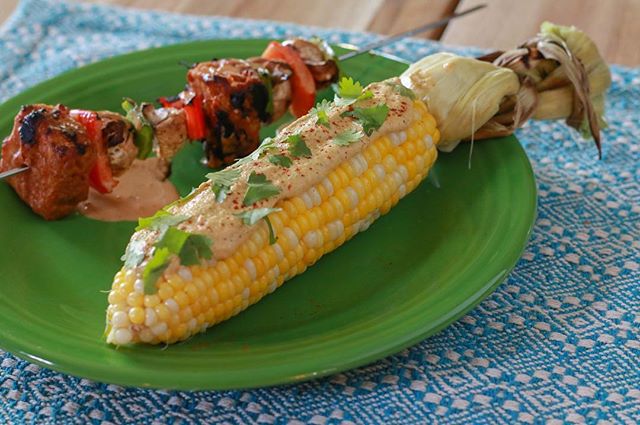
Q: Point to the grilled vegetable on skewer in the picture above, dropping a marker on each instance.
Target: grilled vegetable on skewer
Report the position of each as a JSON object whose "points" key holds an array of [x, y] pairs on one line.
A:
{"points": [[226, 99]]}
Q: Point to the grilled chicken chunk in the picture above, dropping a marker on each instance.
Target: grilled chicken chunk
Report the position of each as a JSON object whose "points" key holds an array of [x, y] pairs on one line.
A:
{"points": [[59, 155], [235, 102]]}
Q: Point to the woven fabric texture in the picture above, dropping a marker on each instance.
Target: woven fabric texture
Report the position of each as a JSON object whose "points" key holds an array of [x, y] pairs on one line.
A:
{"points": [[558, 342]]}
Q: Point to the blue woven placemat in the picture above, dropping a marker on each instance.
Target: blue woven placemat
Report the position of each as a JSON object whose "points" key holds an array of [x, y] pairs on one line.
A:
{"points": [[559, 341]]}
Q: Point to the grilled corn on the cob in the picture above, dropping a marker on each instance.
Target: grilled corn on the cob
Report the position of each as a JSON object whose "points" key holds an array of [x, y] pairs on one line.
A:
{"points": [[343, 202]]}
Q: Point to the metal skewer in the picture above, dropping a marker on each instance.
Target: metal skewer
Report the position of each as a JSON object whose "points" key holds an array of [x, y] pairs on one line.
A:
{"points": [[410, 33], [12, 172], [380, 43]]}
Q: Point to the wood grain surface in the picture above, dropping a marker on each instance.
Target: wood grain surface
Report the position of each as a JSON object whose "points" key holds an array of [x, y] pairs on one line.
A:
{"points": [[613, 24]]}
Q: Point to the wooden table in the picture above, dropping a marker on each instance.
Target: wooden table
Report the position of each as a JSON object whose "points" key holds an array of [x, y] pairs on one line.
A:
{"points": [[613, 24]]}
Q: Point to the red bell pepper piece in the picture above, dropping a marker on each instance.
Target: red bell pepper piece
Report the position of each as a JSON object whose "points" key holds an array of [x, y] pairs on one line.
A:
{"points": [[100, 176], [302, 83]]}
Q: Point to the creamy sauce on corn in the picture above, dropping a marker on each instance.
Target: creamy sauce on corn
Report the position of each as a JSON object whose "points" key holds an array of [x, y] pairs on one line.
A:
{"points": [[219, 220], [141, 191]]}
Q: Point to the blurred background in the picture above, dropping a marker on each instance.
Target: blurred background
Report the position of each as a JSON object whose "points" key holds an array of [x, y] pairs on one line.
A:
{"points": [[613, 24]]}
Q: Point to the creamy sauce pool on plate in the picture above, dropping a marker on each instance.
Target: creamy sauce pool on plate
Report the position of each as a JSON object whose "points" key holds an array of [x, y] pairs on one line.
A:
{"points": [[141, 192]]}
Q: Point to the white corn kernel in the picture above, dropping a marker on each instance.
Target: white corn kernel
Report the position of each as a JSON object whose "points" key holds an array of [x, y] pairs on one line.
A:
{"points": [[379, 170], [149, 317], [192, 325], [328, 186], [278, 250], [122, 336], [353, 196], [336, 229], [273, 286], [291, 236], [307, 200], [397, 178], [315, 196], [185, 274], [172, 305], [120, 319], [395, 139], [251, 268], [138, 286], [402, 190], [403, 172], [313, 239], [276, 271], [428, 141], [159, 329]]}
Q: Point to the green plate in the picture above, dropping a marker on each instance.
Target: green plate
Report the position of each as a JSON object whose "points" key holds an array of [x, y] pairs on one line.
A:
{"points": [[444, 248]]}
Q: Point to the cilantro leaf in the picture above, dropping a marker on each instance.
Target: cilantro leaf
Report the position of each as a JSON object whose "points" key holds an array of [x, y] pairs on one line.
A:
{"points": [[349, 92], [297, 146], [196, 247], [402, 90], [251, 217], [189, 247], [259, 188], [265, 146], [134, 254], [173, 239], [154, 268], [370, 118], [281, 160], [221, 182], [347, 137], [321, 111], [159, 220], [347, 88]]}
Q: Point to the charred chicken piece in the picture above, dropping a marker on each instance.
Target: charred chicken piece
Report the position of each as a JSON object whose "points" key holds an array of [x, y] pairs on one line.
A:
{"points": [[319, 58], [235, 102], [59, 155]]}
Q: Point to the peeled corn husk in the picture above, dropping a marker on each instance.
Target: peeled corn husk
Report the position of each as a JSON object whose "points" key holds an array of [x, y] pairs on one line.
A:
{"points": [[469, 97], [557, 74]]}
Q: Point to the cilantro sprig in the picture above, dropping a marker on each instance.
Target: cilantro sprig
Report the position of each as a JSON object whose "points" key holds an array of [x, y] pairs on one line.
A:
{"points": [[321, 111], [259, 188], [297, 146], [349, 92], [160, 220], [347, 137], [281, 160], [401, 90], [221, 182], [190, 248], [371, 118], [264, 147], [251, 217]]}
